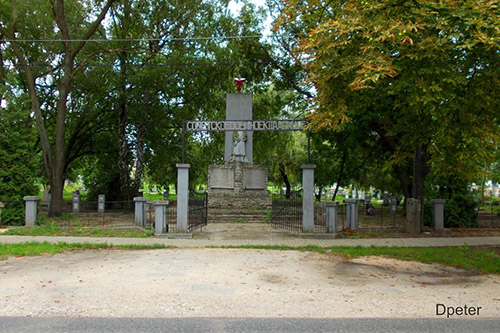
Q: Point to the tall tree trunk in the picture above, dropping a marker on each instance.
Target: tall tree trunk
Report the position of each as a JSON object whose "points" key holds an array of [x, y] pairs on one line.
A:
{"points": [[341, 174], [420, 171], [123, 153], [483, 182], [288, 193]]}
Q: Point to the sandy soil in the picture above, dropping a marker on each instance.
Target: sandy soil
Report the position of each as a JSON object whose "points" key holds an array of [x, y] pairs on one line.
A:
{"points": [[235, 283]]}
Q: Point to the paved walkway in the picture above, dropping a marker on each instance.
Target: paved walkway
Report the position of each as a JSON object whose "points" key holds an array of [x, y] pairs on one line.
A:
{"points": [[194, 243]]}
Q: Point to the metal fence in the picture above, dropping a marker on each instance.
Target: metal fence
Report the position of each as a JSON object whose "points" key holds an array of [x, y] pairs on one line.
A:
{"points": [[197, 213], [115, 214], [287, 214], [489, 215]]}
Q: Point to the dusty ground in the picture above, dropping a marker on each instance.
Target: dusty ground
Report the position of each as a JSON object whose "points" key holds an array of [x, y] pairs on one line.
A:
{"points": [[235, 283]]}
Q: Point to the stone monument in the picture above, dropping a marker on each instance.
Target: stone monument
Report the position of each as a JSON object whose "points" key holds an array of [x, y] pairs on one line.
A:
{"points": [[237, 190]]}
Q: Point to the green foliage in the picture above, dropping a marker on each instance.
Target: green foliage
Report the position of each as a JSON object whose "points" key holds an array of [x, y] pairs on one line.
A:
{"points": [[412, 76], [18, 161], [460, 209]]}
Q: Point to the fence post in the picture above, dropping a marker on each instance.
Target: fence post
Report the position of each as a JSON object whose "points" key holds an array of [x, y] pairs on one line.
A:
{"points": [[352, 213], [182, 197], [30, 210], [331, 217], [101, 201], [438, 213], [308, 197], [140, 211], [413, 211], [160, 217], [76, 202], [1, 206]]}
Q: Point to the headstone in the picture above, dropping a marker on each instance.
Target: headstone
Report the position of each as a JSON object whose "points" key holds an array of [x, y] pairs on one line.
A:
{"points": [[101, 202], [379, 197], [413, 211], [394, 205], [308, 197], [386, 199], [281, 193], [238, 107], [30, 210], [76, 202]]}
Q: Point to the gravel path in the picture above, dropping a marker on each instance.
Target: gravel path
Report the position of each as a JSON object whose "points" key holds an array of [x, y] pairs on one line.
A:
{"points": [[235, 283]]}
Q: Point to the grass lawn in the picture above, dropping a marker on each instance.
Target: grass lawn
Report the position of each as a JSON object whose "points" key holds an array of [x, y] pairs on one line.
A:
{"points": [[475, 259], [51, 229], [484, 260], [39, 248]]}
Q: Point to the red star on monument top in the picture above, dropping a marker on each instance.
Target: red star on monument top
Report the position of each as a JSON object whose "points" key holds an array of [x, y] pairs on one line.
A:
{"points": [[239, 82]]}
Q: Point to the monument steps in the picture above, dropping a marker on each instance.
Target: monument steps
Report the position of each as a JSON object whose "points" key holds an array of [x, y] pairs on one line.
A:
{"points": [[232, 216]]}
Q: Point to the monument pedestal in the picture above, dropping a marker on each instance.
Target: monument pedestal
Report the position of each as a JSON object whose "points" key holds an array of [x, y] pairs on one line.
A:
{"points": [[238, 193]]}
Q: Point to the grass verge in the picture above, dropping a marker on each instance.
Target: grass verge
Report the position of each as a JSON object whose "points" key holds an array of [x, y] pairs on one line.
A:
{"points": [[483, 260], [41, 248], [51, 229]]}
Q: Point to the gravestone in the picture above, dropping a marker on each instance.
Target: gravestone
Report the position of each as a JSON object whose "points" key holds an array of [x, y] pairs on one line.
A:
{"points": [[237, 190]]}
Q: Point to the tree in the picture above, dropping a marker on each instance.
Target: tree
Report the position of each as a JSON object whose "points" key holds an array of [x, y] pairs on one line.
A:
{"points": [[425, 72], [74, 23]]}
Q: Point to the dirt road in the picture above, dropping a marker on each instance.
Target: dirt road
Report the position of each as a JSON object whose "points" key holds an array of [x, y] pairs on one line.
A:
{"points": [[235, 283]]}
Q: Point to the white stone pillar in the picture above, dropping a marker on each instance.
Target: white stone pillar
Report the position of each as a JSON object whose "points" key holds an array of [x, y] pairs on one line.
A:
{"points": [[352, 213], [140, 211], [331, 217], [182, 197], [160, 217], [308, 197], [76, 202], [438, 213], [30, 210], [101, 203]]}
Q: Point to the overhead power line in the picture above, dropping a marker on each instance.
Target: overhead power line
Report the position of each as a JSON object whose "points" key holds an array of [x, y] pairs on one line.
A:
{"points": [[171, 39]]}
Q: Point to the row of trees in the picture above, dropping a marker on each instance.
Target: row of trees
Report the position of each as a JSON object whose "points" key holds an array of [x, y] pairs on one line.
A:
{"points": [[401, 95]]}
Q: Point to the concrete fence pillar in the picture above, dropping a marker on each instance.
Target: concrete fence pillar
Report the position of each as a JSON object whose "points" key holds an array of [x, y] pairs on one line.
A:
{"points": [[140, 211], [413, 212], [161, 217], [101, 203], [308, 197], [331, 217], [352, 216], [31, 211], [76, 202], [182, 197], [438, 213]]}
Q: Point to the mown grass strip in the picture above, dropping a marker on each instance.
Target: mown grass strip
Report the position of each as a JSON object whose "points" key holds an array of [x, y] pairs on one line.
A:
{"points": [[41, 248], [475, 259], [51, 229]]}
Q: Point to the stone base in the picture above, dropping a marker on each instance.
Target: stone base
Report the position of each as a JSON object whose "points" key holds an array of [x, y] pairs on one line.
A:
{"points": [[238, 193]]}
